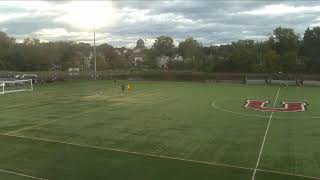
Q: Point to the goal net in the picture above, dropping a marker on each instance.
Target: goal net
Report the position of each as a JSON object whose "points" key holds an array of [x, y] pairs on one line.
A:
{"points": [[16, 86]]}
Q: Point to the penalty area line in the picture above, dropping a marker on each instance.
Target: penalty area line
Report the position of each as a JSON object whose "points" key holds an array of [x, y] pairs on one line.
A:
{"points": [[20, 174]]}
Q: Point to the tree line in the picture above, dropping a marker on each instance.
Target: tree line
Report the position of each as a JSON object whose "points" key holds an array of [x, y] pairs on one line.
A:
{"points": [[283, 51]]}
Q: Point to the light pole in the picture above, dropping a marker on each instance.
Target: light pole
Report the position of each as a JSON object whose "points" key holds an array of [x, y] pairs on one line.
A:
{"points": [[94, 53]]}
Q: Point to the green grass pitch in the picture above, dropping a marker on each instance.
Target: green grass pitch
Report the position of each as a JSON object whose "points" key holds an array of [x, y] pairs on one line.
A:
{"points": [[84, 130]]}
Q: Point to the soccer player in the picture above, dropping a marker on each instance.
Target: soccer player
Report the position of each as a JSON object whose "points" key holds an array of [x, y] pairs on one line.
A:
{"points": [[301, 82], [129, 87], [122, 87], [285, 84]]}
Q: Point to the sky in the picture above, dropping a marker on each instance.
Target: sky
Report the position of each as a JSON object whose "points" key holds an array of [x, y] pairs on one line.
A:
{"points": [[122, 23]]}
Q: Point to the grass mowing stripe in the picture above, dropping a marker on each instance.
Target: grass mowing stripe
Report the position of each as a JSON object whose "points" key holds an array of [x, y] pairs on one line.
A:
{"points": [[129, 152], [151, 155], [43, 100], [23, 175], [72, 115], [29, 105], [288, 174], [49, 122], [265, 136]]}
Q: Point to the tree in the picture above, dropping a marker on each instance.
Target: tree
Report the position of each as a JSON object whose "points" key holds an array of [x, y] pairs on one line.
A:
{"points": [[5, 40], [6, 50], [107, 50], [189, 48], [102, 64], [85, 48], [311, 43], [284, 40], [163, 46], [270, 59], [244, 56], [288, 62], [283, 51], [286, 43], [151, 61]]}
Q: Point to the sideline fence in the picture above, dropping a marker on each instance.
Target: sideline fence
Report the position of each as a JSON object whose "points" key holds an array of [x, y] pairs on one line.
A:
{"points": [[169, 75]]}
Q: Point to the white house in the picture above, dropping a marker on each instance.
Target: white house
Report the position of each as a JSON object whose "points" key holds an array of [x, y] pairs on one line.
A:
{"points": [[163, 61]]}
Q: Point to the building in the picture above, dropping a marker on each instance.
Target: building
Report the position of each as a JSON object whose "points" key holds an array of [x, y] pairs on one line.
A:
{"points": [[87, 62], [164, 60], [138, 55], [121, 51]]}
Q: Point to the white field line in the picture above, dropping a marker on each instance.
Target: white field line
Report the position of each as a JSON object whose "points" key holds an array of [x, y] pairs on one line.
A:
{"points": [[157, 156], [129, 152], [23, 175], [305, 117], [265, 137], [73, 115], [288, 174], [213, 104]]}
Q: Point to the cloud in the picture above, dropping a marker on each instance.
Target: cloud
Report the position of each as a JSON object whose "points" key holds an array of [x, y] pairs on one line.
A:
{"points": [[282, 9], [84, 14], [11, 16], [122, 23]]}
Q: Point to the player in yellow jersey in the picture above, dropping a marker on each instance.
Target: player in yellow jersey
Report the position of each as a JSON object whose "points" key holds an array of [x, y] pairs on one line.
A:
{"points": [[129, 87]]}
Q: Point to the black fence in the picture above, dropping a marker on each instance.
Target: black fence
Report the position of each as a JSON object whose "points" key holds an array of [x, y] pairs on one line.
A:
{"points": [[162, 75]]}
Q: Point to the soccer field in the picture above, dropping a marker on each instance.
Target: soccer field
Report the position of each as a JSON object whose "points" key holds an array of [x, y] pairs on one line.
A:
{"points": [[83, 130]]}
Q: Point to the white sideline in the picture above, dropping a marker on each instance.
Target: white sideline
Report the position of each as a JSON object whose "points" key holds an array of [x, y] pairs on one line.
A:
{"points": [[288, 174], [19, 174], [264, 138], [128, 152], [157, 156]]}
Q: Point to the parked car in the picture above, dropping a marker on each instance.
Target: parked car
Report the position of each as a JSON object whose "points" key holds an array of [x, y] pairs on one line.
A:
{"points": [[6, 77], [34, 77]]}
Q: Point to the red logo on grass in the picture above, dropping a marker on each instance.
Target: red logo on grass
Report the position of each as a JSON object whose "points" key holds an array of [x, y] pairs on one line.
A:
{"points": [[287, 106]]}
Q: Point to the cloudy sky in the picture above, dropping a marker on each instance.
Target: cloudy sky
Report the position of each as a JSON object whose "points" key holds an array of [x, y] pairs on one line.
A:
{"points": [[121, 23]]}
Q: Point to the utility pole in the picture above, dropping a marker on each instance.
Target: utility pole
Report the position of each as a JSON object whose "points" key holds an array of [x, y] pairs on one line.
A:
{"points": [[94, 53]]}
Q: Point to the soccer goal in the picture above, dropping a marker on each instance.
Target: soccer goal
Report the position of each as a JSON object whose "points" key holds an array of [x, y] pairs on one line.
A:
{"points": [[16, 86]]}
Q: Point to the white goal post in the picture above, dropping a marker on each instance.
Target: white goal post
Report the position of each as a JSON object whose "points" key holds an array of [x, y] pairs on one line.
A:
{"points": [[16, 86]]}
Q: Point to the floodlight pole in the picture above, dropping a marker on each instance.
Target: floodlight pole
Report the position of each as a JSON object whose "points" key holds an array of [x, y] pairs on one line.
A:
{"points": [[94, 53]]}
